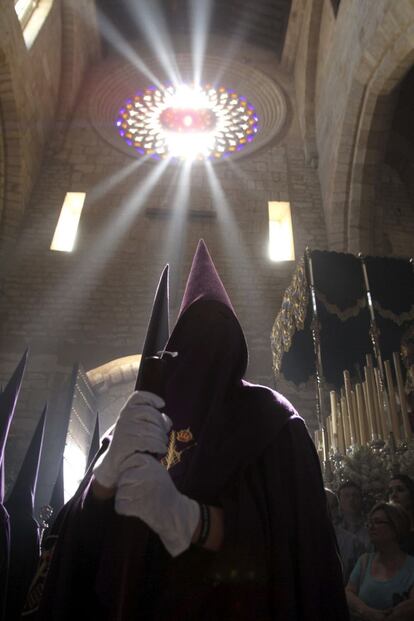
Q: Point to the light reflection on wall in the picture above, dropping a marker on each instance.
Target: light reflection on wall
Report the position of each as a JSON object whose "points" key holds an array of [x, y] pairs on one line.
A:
{"points": [[74, 465]]}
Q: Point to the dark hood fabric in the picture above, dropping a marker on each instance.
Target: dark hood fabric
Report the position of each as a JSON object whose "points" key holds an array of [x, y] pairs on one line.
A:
{"points": [[8, 401], [206, 396], [24, 529]]}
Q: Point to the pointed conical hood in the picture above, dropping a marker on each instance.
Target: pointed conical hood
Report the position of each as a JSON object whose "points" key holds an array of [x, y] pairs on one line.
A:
{"points": [[8, 400], [21, 498], [95, 443], [204, 288], [158, 327], [57, 499], [203, 281]]}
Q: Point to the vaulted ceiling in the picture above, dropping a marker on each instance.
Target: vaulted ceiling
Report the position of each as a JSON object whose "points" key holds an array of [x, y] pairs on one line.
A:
{"points": [[262, 22]]}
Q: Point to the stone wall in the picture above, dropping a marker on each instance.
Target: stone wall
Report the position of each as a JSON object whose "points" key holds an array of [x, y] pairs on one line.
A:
{"points": [[31, 86], [363, 54], [92, 305], [398, 213]]}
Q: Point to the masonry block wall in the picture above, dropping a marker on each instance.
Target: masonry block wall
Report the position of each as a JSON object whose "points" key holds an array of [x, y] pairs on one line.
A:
{"points": [[34, 79], [92, 305], [363, 54]]}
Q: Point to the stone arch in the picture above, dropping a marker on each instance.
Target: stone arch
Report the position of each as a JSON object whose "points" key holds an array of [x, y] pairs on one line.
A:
{"points": [[112, 382], [365, 128], [114, 372], [11, 166], [79, 47], [307, 121]]}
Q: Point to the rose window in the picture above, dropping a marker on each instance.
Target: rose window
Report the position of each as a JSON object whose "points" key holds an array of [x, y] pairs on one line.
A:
{"points": [[187, 122]]}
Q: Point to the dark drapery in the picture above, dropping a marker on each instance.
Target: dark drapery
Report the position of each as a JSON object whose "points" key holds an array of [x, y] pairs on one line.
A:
{"points": [[343, 314]]}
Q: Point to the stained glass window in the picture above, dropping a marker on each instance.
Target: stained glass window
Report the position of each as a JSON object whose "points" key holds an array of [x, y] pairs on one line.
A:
{"points": [[187, 122]]}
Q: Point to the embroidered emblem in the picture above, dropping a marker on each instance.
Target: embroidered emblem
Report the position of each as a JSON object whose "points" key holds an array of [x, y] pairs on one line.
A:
{"points": [[174, 452], [184, 435]]}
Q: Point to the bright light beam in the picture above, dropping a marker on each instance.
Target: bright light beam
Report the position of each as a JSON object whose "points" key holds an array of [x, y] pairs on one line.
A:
{"points": [[243, 175], [177, 233], [236, 42], [107, 184], [151, 22], [231, 235], [200, 13], [95, 256], [112, 35]]}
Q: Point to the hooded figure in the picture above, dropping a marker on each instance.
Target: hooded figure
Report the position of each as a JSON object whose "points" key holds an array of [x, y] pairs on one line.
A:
{"points": [[240, 469], [24, 528], [8, 400]]}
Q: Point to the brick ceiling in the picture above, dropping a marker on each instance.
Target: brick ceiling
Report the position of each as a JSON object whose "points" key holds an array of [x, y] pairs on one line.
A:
{"points": [[262, 22]]}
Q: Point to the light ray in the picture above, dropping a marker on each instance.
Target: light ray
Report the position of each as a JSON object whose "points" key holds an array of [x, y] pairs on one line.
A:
{"points": [[93, 258], [228, 227], [243, 175], [177, 233], [152, 25], [113, 36], [200, 14], [107, 184]]}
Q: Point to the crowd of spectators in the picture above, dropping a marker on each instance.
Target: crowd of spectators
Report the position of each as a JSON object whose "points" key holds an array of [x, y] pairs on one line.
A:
{"points": [[377, 550]]}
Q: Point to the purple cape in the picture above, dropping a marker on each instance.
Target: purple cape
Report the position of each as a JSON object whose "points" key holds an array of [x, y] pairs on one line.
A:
{"points": [[249, 452]]}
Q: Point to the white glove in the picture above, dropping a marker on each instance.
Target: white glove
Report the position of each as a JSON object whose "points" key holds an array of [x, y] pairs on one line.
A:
{"points": [[147, 491], [140, 427]]}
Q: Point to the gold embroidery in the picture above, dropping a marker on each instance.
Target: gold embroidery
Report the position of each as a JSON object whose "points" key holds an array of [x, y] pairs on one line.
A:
{"points": [[291, 316], [174, 452], [184, 435]]}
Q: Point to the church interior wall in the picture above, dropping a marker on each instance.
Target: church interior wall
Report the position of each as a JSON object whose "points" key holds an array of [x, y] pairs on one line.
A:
{"points": [[398, 218], [305, 77], [92, 305], [357, 48], [28, 95]]}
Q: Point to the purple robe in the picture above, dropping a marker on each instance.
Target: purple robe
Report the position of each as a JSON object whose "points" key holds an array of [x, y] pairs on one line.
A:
{"points": [[234, 445]]}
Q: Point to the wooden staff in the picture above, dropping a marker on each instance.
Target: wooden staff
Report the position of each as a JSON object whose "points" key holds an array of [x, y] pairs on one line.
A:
{"points": [[318, 444], [328, 426], [372, 402], [392, 402], [324, 434], [401, 394], [356, 418], [371, 435], [341, 432], [351, 414], [345, 418], [362, 416], [380, 405], [334, 420]]}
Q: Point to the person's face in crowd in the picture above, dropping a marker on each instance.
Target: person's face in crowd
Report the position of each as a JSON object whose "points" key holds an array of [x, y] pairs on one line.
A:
{"points": [[380, 529], [350, 501], [399, 494]]}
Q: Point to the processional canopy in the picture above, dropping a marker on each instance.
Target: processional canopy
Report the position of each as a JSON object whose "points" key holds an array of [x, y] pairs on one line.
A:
{"points": [[343, 314]]}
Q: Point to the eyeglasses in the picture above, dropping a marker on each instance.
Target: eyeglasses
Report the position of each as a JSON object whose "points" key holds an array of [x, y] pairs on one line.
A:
{"points": [[376, 522]]}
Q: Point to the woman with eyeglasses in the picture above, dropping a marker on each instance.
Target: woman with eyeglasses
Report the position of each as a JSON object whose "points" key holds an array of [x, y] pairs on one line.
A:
{"points": [[401, 492], [381, 585]]}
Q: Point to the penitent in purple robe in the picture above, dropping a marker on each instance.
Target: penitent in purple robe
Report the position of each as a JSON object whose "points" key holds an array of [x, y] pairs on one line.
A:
{"points": [[235, 445]]}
